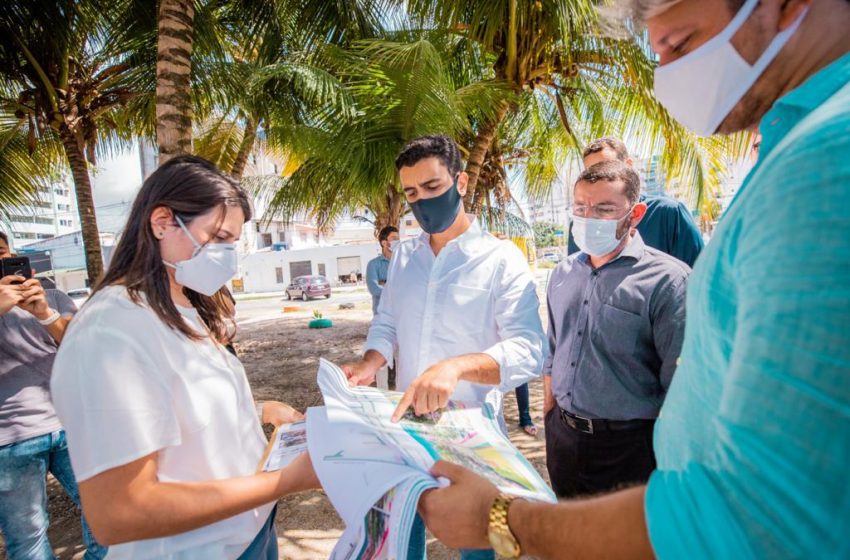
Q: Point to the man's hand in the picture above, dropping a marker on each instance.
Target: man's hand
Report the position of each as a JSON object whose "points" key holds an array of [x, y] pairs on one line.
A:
{"points": [[33, 299], [548, 397], [277, 413], [459, 515], [10, 294], [430, 391], [363, 372]]}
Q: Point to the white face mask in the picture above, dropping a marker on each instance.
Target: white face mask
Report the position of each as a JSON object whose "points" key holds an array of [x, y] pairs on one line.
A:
{"points": [[701, 88], [596, 237], [210, 266], [393, 245]]}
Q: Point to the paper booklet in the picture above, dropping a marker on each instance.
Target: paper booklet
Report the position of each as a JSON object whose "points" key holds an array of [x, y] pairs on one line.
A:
{"points": [[287, 442], [374, 470]]}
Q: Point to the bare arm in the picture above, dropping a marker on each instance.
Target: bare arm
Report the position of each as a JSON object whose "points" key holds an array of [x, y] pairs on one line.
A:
{"points": [[610, 526], [128, 503], [607, 527]]}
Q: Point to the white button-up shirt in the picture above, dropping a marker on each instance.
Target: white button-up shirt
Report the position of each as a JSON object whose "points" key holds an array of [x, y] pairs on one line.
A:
{"points": [[476, 296]]}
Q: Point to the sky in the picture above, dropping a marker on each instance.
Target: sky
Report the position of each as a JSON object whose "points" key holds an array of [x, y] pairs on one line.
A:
{"points": [[116, 182]]}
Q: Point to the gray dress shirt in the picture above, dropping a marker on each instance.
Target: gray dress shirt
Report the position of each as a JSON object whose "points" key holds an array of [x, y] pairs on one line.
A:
{"points": [[615, 332]]}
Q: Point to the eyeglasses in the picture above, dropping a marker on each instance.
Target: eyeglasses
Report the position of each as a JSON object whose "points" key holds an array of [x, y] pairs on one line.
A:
{"points": [[602, 211]]}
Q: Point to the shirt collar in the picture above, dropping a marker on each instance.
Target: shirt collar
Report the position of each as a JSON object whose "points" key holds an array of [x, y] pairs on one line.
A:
{"points": [[795, 105], [466, 242]]}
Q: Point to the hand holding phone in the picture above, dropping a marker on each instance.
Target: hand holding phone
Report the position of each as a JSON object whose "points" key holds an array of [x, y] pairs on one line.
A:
{"points": [[16, 266]]}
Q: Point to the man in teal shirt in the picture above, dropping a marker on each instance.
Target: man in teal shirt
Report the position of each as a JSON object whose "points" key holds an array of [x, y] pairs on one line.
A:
{"points": [[753, 440]]}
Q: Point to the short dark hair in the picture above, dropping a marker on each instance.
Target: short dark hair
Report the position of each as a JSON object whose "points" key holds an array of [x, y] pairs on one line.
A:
{"points": [[4, 237], [433, 145], [607, 142], [614, 171], [385, 233]]}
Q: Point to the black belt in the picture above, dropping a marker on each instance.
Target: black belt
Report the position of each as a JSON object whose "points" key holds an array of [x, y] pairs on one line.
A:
{"points": [[590, 426]]}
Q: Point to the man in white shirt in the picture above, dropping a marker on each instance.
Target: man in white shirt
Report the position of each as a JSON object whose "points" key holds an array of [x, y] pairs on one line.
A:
{"points": [[460, 305]]}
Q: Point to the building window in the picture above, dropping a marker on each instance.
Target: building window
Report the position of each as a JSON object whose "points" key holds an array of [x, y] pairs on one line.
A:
{"points": [[265, 240], [279, 274], [408, 223]]}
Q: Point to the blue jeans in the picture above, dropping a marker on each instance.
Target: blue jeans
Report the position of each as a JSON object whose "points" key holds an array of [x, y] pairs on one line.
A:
{"points": [[23, 495], [416, 547], [523, 406], [264, 545]]}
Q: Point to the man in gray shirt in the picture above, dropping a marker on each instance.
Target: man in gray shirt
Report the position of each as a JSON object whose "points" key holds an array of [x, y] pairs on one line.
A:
{"points": [[616, 323], [32, 442]]}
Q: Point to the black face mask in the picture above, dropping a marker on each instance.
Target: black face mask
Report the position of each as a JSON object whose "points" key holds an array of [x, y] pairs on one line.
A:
{"points": [[435, 215]]}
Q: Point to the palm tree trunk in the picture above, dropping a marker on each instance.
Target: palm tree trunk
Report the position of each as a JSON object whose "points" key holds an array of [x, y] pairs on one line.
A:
{"points": [[173, 78], [85, 205], [482, 143], [391, 211], [245, 147]]}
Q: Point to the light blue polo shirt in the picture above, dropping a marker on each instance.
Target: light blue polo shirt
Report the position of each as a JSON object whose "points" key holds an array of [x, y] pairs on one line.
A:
{"points": [[753, 441]]}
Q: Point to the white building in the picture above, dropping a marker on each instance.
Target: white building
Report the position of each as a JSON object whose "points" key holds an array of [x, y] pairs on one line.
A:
{"points": [[68, 257], [272, 271], [54, 213]]}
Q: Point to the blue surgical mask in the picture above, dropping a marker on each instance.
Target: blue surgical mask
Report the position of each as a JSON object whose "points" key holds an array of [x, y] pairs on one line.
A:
{"points": [[435, 215]]}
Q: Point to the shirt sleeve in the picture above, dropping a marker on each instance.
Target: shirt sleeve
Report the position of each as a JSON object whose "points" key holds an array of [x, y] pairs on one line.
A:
{"points": [[372, 278], [552, 333], [775, 480], [668, 326], [62, 303], [521, 350], [687, 241], [112, 400], [382, 333]]}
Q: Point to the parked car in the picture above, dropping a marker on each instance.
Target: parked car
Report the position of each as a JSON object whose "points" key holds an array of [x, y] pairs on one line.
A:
{"points": [[553, 257], [308, 287], [79, 296]]}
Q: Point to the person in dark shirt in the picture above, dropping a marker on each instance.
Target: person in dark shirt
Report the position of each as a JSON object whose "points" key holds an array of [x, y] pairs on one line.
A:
{"points": [[667, 225]]}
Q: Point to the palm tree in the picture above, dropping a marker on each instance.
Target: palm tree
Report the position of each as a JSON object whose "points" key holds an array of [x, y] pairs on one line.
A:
{"points": [[69, 70], [400, 90], [26, 166], [173, 78], [551, 54], [271, 76]]}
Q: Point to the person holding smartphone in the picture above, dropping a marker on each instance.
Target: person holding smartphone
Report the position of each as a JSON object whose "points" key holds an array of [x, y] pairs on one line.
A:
{"points": [[32, 442], [162, 428]]}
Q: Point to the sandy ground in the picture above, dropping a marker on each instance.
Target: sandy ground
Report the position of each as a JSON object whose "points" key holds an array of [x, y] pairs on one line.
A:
{"points": [[281, 358]]}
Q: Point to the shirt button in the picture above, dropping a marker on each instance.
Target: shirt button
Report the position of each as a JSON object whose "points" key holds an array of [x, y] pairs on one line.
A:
{"points": [[572, 364], [579, 333], [569, 394], [585, 302]]}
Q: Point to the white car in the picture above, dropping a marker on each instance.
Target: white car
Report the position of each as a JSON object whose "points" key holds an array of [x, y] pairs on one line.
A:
{"points": [[79, 296]]}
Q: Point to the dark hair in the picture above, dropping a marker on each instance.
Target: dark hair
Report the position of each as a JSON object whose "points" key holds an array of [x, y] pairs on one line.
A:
{"points": [[385, 233], [436, 145], [4, 237], [614, 171], [190, 186], [607, 142]]}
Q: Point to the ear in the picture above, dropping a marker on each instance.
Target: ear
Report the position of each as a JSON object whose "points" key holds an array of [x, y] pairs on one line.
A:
{"points": [[161, 219], [462, 183], [630, 162], [791, 10], [638, 212]]}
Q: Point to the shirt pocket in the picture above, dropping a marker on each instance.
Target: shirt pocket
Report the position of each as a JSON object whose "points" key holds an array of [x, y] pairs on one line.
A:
{"points": [[617, 331], [467, 309]]}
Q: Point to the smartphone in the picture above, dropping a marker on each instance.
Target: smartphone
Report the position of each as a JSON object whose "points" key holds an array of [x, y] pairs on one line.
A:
{"points": [[19, 266]]}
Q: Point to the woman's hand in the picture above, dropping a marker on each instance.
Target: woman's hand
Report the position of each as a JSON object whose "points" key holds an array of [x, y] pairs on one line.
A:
{"points": [[277, 413]]}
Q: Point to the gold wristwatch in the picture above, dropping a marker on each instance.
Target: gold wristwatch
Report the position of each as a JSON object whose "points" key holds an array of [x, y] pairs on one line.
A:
{"points": [[499, 533]]}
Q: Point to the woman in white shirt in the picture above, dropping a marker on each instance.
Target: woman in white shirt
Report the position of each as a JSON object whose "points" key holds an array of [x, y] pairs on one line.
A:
{"points": [[162, 428]]}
